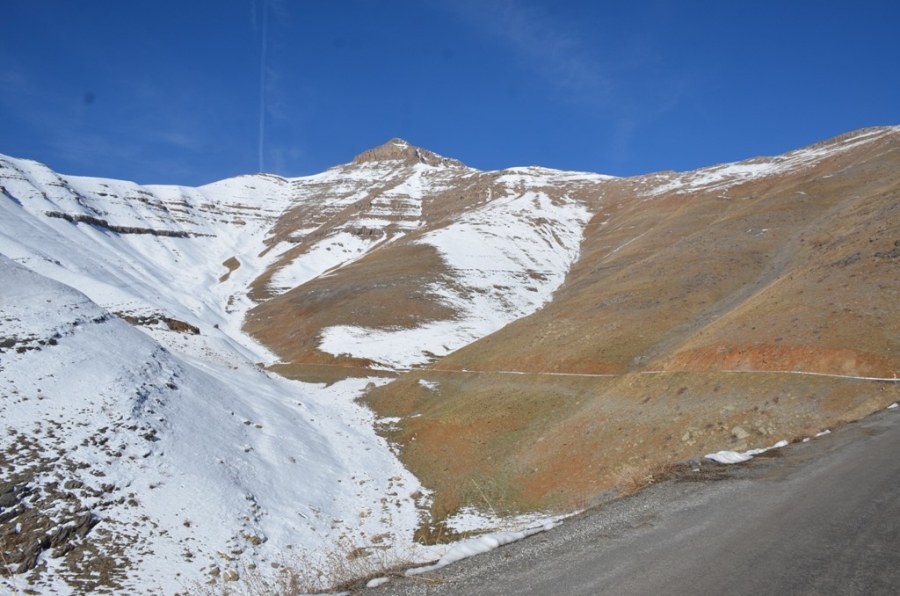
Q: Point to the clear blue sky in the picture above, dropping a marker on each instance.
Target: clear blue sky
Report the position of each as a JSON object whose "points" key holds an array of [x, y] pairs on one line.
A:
{"points": [[176, 92]]}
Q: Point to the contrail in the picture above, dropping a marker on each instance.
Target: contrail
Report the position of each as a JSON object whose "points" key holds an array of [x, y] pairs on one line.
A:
{"points": [[262, 82]]}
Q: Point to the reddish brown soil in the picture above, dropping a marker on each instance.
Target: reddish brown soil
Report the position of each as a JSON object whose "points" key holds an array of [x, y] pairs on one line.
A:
{"points": [[841, 361]]}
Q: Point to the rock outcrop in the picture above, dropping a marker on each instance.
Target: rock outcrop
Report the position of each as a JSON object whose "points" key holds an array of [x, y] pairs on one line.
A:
{"points": [[400, 150]]}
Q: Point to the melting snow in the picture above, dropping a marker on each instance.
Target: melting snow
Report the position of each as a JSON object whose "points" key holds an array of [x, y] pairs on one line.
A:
{"points": [[480, 545], [734, 457]]}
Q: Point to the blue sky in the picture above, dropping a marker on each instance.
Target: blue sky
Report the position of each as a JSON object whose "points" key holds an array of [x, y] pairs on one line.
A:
{"points": [[190, 91]]}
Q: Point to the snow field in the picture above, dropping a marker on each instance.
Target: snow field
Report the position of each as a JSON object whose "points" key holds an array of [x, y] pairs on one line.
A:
{"points": [[334, 251], [239, 463]]}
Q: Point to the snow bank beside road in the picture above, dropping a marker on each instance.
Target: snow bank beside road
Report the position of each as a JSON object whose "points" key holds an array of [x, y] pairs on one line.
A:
{"points": [[734, 457], [481, 545]]}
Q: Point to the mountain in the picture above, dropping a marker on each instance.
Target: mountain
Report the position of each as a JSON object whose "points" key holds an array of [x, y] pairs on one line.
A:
{"points": [[181, 369], [728, 307], [402, 257]]}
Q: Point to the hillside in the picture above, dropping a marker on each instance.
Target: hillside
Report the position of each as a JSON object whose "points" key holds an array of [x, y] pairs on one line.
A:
{"points": [[524, 340], [702, 296]]}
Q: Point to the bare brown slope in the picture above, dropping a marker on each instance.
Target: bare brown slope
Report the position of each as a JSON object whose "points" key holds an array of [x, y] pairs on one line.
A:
{"points": [[384, 289], [654, 273], [519, 442], [794, 272]]}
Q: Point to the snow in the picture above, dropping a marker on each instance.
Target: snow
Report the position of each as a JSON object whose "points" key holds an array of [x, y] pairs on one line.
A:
{"points": [[188, 453], [480, 545], [722, 176], [432, 385], [144, 273], [386, 218], [504, 260], [254, 459], [470, 519], [734, 457], [531, 176], [238, 453], [378, 581], [337, 250]]}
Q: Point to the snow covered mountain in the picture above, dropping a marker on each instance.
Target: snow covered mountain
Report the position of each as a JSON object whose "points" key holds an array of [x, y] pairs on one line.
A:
{"points": [[422, 256], [147, 445], [183, 463], [148, 456]]}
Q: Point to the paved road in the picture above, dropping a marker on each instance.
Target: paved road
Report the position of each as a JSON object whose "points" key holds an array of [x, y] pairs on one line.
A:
{"points": [[821, 518]]}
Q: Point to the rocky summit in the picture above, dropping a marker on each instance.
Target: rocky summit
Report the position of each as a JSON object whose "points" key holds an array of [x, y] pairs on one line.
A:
{"points": [[198, 384]]}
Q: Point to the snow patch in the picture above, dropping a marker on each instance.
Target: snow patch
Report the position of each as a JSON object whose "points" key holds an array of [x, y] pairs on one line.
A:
{"points": [[378, 581], [720, 177], [337, 250], [480, 545], [734, 457], [504, 261]]}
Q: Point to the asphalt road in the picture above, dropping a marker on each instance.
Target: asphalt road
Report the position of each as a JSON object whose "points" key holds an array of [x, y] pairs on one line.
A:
{"points": [[819, 518]]}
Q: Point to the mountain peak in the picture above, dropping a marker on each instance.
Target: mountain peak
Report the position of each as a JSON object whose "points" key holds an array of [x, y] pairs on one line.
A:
{"points": [[400, 150]]}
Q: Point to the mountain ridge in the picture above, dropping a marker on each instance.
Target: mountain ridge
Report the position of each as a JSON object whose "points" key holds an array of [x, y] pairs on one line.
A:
{"points": [[399, 150], [524, 337]]}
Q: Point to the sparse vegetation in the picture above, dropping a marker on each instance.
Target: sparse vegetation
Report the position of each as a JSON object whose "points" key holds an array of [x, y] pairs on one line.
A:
{"points": [[343, 568], [537, 442], [632, 477]]}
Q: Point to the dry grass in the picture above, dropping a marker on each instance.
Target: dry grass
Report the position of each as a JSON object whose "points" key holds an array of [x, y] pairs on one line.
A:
{"points": [[632, 477], [550, 443], [343, 568], [8, 576]]}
